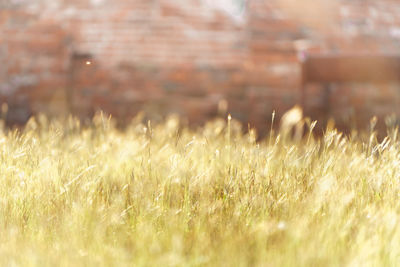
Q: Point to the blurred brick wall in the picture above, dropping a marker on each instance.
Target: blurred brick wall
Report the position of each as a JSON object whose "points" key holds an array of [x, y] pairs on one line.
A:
{"points": [[185, 57]]}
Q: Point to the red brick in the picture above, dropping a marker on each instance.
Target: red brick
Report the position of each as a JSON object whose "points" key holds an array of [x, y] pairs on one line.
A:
{"points": [[168, 57]]}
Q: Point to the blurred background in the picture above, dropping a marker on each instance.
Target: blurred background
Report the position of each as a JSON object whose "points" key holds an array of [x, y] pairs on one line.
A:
{"points": [[195, 58]]}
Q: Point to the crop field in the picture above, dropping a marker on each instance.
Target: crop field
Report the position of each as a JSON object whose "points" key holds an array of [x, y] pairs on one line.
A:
{"points": [[168, 195]]}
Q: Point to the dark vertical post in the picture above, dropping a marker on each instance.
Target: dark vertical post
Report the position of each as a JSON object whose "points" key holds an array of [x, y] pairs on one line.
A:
{"points": [[327, 98], [78, 61], [303, 83]]}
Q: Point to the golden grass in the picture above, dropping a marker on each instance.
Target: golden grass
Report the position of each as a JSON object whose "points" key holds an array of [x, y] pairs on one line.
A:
{"points": [[165, 196]]}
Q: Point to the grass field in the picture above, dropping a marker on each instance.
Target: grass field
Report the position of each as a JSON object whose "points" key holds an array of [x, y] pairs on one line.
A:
{"points": [[162, 195]]}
